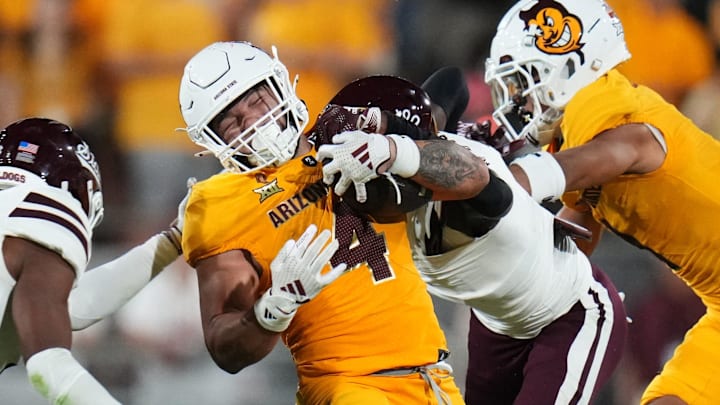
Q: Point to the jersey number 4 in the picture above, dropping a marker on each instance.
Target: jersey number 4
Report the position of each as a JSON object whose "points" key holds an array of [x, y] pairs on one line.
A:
{"points": [[360, 243]]}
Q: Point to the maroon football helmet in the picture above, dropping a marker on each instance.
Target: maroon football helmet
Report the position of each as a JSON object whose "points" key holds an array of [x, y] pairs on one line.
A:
{"points": [[389, 201], [53, 152], [390, 93]]}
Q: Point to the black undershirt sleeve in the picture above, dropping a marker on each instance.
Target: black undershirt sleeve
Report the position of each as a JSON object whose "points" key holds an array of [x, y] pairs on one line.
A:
{"points": [[478, 215]]}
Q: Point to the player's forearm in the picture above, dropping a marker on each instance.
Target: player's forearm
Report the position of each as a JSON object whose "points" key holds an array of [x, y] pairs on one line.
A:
{"points": [[235, 340], [586, 220], [450, 171], [103, 290]]}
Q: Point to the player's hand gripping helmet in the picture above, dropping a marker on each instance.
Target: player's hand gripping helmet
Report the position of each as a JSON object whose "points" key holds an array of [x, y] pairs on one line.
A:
{"points": [[388, 200], [543, 53], [215, 78], [41, 149]]}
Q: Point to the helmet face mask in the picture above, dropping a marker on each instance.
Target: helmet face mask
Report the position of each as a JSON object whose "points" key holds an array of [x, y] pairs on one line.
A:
{"points": [[40, 149], [219, 76], [267, 141], [543, 53]]}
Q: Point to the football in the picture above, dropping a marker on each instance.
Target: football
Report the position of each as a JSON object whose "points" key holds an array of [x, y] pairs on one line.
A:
{"points": [[382, 204]]}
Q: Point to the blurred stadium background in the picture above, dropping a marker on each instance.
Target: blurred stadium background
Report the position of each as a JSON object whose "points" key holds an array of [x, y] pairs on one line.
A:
{"points": [[111, 68]]}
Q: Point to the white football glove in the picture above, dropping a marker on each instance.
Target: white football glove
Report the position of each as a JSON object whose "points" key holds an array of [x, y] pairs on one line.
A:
{"points": [[356, 155], [297, 278]]}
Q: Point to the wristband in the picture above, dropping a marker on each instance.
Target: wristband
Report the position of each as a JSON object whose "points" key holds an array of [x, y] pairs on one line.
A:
{"points": [[174, 235], [273, 312], [546, 177], [407, 156]]}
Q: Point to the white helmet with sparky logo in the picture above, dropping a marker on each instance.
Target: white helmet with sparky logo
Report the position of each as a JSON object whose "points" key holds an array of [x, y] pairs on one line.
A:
{"points": [[543, 53]]}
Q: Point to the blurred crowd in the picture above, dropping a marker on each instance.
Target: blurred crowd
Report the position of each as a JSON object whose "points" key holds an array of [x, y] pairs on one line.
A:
{"points": [[111, 69]]}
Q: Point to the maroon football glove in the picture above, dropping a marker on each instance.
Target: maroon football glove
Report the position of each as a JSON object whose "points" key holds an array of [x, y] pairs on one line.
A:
{"points": [[482, 131], [336, 119]]}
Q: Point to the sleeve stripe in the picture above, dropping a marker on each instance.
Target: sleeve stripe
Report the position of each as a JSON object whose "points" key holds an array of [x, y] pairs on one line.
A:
{"points": [[26, 213], [42, 200]]}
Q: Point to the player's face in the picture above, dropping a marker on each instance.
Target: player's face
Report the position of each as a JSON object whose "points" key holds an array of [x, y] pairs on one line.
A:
{"points": [[249, 109]]}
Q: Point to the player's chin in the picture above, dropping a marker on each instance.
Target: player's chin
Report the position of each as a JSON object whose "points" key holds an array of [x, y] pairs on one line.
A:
{"points": [[382, 204]]}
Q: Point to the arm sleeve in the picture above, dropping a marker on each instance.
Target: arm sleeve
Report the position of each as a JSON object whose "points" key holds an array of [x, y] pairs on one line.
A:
{"points": [[494, 200], [478, 215], [57, 376], [103, 290]]}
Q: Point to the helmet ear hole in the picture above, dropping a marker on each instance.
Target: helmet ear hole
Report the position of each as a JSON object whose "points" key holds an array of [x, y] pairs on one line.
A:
{"points": [[569, 70]]}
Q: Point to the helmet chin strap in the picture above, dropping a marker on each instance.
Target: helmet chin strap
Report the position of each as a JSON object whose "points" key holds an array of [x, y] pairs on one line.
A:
{"points": [[547, 128]]}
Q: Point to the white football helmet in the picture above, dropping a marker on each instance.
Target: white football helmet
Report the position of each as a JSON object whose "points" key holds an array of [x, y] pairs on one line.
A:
{"points": [[543, 53], [217, 76]]}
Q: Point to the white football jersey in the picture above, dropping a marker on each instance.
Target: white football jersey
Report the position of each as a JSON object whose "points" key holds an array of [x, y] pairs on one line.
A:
{"points": [[517, 278], [50, 217]]}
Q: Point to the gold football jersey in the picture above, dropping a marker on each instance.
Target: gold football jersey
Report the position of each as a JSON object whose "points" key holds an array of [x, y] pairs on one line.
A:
{"points": [[376, 316], [673, 211]]}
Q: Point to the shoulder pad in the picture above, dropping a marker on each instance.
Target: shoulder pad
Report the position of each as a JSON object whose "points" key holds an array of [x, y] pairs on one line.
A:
{"points": [[50, 217]]}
